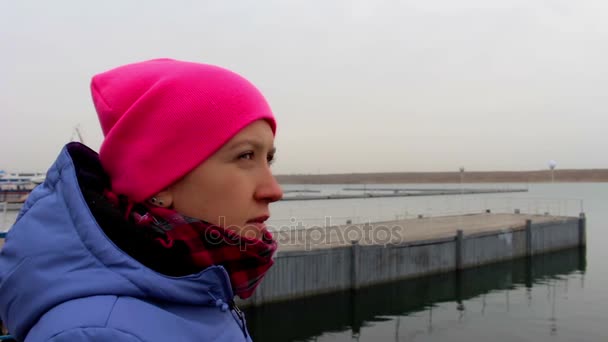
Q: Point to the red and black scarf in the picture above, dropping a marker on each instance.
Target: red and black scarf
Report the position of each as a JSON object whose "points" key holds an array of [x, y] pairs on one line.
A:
{"points": [[245, 259]]}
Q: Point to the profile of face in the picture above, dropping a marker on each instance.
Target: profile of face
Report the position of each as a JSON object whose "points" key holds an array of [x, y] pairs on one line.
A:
{"points": [[234, 187]]}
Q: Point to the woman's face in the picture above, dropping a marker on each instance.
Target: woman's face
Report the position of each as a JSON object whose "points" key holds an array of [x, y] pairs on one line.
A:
{"points": [[234, 187]]}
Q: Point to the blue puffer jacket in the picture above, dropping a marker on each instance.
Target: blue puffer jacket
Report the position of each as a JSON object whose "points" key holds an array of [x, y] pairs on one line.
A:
{"points": [[63, 279]]}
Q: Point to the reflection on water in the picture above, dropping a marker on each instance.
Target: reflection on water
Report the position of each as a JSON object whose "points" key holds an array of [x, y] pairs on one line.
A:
{"points": [[351, 311]]}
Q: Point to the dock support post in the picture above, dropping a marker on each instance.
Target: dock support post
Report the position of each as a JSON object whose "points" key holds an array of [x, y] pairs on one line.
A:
{"points": [[354, 264], [582, 230], [528, 238], [459, 247]]}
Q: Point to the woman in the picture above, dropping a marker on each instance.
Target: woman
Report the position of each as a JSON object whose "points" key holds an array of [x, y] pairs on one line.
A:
{"points": [[151, 239]]}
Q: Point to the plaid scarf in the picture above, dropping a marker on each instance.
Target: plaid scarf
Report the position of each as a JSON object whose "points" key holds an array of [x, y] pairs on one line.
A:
{"points": [[245, 259]]}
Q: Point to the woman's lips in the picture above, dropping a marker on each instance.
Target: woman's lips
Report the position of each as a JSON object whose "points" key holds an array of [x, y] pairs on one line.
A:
{"points": [[253, 229], [259, 219], [258, 225]]}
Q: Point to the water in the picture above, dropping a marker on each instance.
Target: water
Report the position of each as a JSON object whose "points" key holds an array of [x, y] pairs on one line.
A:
{"points": [[515, 300], [556, 297]]}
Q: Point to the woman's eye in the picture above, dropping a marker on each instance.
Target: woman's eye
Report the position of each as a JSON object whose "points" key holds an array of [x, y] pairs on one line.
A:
{"points": [[250, 156], [246, 156], [270, 159]]}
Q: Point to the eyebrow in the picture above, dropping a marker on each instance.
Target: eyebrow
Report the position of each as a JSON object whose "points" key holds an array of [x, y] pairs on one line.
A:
{"points": [[256, 144]]}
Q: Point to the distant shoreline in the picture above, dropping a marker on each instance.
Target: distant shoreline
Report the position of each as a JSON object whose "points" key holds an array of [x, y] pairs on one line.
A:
{"points": [[541, 176]]}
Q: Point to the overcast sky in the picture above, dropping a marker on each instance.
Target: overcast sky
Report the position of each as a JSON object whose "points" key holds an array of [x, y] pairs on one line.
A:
{"points": [[357, 86]]}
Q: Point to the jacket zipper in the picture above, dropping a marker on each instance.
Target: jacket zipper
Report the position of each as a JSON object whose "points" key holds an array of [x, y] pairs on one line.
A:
{"points": [[240, 315]]}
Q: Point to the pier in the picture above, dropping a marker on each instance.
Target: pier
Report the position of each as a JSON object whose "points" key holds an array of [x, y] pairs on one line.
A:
{"points": [[320, 260]]}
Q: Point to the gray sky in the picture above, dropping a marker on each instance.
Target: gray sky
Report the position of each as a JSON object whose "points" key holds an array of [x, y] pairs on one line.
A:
{"points": [[357, 86]]}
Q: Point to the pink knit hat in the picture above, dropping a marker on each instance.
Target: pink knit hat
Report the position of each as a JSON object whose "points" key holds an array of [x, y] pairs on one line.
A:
{"points": [[162, 118]]}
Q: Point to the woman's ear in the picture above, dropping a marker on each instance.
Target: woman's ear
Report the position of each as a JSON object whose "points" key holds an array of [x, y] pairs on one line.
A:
{"points": [[162, 199]]}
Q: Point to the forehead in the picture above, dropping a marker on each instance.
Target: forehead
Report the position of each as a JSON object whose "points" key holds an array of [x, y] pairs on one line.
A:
{"points": [[259, 134]]}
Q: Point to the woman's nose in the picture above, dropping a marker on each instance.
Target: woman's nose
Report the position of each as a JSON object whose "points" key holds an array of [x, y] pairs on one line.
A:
{"points": [[269, 190]]}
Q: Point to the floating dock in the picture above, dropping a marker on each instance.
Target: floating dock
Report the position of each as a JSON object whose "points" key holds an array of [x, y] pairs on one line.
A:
{"points": [[382, 192]]}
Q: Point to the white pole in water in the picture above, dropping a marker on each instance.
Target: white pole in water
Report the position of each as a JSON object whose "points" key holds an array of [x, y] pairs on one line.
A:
{"points": [[461, 180], [552, 165], [462, 190]]}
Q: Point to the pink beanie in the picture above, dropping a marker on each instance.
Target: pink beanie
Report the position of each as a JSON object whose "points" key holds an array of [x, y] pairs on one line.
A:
{"points": [[162, 118]]}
